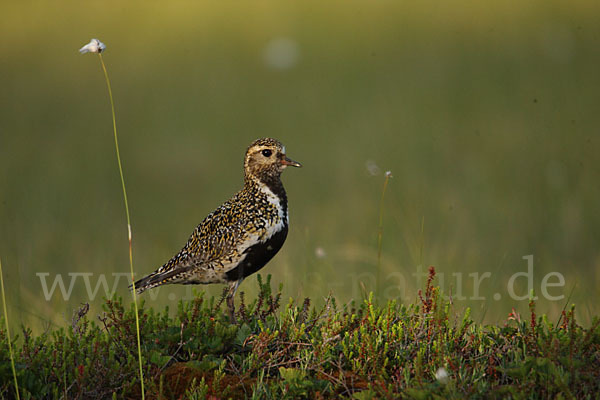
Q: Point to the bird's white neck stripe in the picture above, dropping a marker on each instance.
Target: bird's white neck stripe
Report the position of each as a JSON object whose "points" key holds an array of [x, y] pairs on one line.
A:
{"points": [[275, 200]]}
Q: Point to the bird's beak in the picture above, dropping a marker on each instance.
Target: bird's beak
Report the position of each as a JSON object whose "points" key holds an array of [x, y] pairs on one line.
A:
{"points": [[289, 162]]}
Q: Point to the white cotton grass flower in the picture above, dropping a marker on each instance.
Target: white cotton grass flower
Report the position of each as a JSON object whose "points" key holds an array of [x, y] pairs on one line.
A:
{"points": [[442, 375], [320, 252], [281, 53], [372, 168], [94, 46]]}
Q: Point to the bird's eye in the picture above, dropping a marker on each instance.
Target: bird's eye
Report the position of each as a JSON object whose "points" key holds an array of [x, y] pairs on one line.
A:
{"points": [[267, 153]]}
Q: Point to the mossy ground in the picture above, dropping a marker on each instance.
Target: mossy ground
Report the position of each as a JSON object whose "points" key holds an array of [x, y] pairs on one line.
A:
{"points": [[298, 351]]}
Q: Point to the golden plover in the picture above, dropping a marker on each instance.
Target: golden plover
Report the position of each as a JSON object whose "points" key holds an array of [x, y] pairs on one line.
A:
{"points": [[239, 237]]}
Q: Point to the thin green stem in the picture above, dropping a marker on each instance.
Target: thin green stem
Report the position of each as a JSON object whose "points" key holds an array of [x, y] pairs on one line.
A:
{"points": [[12, 358], [388, 175], [137, 319], [64, 361], [422, 240]]}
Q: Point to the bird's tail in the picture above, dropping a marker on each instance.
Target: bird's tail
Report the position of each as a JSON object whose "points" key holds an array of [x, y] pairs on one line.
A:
{"points": [[144, 283], [157, 278]]}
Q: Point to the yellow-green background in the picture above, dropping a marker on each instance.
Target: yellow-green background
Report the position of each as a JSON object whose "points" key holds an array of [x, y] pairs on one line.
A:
{"points": [[486, 113]]}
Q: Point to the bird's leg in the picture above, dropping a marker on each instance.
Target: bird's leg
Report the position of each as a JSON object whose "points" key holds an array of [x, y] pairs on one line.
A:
{"points": [[230, 299], [231, 306]]}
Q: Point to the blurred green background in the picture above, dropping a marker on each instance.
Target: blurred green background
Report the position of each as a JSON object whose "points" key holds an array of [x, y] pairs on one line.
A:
{"points": [[487, 116]]}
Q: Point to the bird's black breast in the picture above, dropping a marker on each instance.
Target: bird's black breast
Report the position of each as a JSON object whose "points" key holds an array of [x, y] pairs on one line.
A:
{"points": [[258, 255]]}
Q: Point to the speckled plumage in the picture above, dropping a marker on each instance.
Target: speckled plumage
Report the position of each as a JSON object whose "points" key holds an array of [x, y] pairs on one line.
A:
{"points": [[240, 236]]}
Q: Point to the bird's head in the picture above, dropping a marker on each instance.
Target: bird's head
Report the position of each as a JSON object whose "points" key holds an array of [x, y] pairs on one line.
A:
{"points": [[266, 159]]}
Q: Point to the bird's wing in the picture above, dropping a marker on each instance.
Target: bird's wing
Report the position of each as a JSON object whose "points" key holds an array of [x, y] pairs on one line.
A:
{"points": [[214, 244], [219, 240]]}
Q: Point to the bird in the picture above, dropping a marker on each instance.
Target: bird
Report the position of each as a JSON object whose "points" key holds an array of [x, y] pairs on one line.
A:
{"points": [[239, 237]]}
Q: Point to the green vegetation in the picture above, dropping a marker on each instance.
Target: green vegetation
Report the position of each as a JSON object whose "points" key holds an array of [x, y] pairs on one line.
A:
{"points": [[294, 350], [486, 114]]}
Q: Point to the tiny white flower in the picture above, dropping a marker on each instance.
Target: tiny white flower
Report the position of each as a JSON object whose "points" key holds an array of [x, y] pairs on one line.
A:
{"points": [[94, 46], [372, 168], [320, 252], [442, 375], [388, 174], [281, 53]]}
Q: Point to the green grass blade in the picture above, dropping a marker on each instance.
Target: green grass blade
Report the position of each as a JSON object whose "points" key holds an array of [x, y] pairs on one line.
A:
{"points": [[12, 358], [388, 175], [137, 319]]}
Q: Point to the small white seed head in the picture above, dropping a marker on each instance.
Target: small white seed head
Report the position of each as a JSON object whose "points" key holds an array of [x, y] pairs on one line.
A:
{"points": [[94, 46], [442, 375]]}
